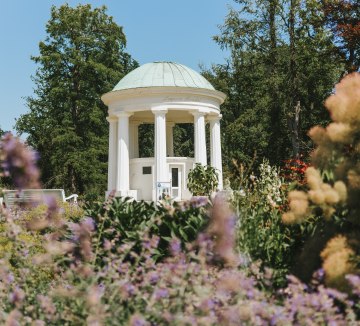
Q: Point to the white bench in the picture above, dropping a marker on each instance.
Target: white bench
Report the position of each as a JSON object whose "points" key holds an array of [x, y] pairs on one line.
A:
{"points": [[14, 197]]}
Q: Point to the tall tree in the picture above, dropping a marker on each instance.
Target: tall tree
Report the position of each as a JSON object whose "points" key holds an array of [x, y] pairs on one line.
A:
{"points": [[280, 70], [82, 57], [343, 18]]}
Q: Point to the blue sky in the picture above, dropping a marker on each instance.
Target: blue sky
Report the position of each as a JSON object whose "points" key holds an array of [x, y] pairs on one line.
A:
{"points": [[156, 30]]}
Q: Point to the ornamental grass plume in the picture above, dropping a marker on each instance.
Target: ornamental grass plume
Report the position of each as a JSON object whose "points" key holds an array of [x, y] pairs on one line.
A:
{"points": [[334, 182]]}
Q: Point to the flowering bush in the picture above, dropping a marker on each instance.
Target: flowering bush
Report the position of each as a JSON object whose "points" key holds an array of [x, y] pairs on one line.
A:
{"points": [[293, 170], [335, 199], [260, 231], [205, 283]]}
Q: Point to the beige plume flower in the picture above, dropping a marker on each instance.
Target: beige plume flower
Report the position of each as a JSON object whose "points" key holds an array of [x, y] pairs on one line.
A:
{"points": [[340, 188], [317, 196], [353, 179], [344, 105], [317, 134], [339, 132], [336, 261], [313, 178]]}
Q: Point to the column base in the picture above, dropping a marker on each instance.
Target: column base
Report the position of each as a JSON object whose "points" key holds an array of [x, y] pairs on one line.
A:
{"points": [[124, 193]]}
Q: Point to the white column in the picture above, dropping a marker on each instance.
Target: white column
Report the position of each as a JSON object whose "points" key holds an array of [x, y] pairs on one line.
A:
{"points": [[134, 139], [170, 139], [215, 147], [122, 181], [112, 153], [200, 140], [162, 173]]}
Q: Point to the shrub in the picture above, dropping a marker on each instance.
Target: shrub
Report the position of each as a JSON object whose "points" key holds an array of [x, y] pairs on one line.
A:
{"points": [[336, 197], [260, 230], [206, 284], [123, 220], [188, 287], [202, 180]]}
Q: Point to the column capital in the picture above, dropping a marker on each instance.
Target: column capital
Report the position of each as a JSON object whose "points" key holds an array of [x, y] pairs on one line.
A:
{"points": [[135, 122], [123, 114], [214, 117], [159, 111], [198, 113], [111, 119], [170, 124]]}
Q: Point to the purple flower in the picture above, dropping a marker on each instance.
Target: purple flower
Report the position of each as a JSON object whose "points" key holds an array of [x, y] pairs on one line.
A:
{"points": [[175, 246], [17, 296], [154, 241], [161, 293], [207, 305], [81, 233], [199, 201], [153, 277], [88, 223], [94, 295], [10, 278], [355, 283], [19, 162], [137, 320], [127, 290], [222, 228], [46, 304], [107, 245]]}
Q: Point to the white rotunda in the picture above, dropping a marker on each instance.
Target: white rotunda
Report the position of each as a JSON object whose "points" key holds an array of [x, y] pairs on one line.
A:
{"points": [[164, 94]]}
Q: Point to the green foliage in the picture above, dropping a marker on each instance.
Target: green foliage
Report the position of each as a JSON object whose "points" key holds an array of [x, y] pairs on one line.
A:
{"points": [[122, 220], [202, 180], [81, 58], [184, 140], [260, 230], [278, 50], [183, 143], [146, 140], [18, 251], [66, 211], [128, 287]]}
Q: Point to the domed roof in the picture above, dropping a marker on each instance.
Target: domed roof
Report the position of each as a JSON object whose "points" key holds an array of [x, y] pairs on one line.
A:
{"points": [[161, 74]]}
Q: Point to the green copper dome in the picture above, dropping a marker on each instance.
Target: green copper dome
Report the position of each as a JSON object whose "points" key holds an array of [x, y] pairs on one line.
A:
{"points": [[158, 74]]}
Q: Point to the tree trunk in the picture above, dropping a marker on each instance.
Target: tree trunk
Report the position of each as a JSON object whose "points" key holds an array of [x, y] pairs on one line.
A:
{"points": [[293, 117], [273, 85], [294, 126]]}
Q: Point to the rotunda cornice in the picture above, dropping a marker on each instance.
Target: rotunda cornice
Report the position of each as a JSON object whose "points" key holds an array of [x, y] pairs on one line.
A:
{"points": [[167, 92]]}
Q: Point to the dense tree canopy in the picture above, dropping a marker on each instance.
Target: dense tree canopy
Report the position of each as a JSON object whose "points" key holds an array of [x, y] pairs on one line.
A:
{"points": [[343, 18], [82, 57], [285, 57], [282, 66]]}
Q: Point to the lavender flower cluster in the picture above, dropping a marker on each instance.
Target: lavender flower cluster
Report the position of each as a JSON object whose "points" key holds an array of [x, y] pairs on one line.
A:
{"points": [[19, 162], [63, 283]]}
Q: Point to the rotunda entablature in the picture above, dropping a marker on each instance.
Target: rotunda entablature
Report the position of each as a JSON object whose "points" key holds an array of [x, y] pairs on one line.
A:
{"points": [[164, 91], [174, 98]]}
